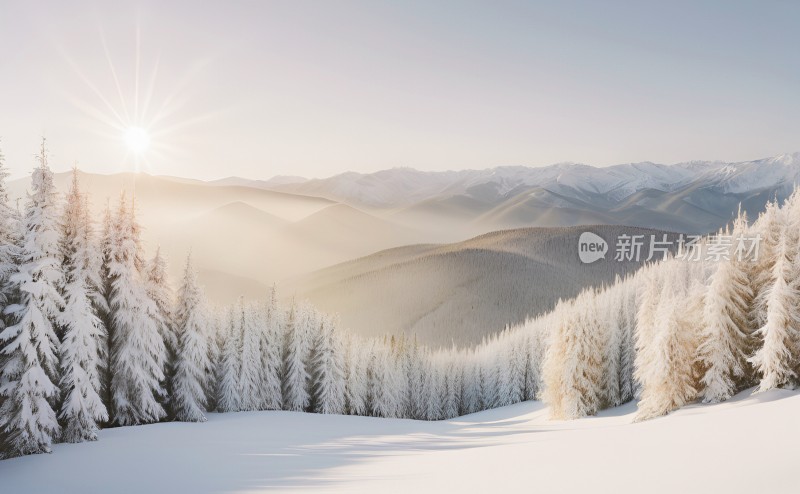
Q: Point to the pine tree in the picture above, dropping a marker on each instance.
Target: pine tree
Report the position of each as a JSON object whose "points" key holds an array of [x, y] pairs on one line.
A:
{"points": [[193, 361], [159, 291], [138, 352], [250, 378], [573, 366], [328, 370], [611, 308], [271, 343], [470, 386], [452, 385], [356, 385], [627, 359], [9, 239], [383, 378], [776, 360], [229, 399], [82, 409], [724, 333], [668, 374], [296, 349], [102, 307], [30, 365]]}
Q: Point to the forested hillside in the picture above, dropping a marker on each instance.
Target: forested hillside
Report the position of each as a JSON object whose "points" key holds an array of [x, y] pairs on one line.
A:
{"points": [[460, 293]]}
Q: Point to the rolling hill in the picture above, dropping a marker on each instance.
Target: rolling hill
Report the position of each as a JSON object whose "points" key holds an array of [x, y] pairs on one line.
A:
{"points": [[459, 293]]}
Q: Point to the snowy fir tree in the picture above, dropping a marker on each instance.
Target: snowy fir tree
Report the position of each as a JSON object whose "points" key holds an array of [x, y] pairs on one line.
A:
{"points": [[295, 354], [158, 289], [356, 385], [138, 354], [777, 358], [229, 398], [9, 238], [328, 373], [193, 359], [251, 371], [271, 345], [724, 334], [81, 350], [30, 364]]}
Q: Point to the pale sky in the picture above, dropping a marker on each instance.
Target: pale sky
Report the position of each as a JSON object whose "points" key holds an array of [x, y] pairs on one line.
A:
{"points": [[262, 88]]}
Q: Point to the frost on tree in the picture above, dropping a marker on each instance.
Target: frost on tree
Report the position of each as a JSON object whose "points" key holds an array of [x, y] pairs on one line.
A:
{"points": [[667, 364], [138, 351], [30, 361], [776, 360], [158, 289], [250, 377], [724, 335], [271, 344], [229, 399], [328, 370], [356, 386], [9, 238], [296, 350], [573, 365], [80, 352], [193, 361]]}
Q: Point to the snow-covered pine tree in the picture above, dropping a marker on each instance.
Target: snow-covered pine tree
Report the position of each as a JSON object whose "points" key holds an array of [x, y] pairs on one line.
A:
{"points": [[158, 289], [627, 359], [9, 239], [356, 386], [215, 338], [193, 361], [102, 306], [137, 349], [724, 334], [573, 368], [81, 350], [383, 378], [296, 349], [470, 385], [776, 360], [517, 352], [610, 307], [449, 363], [412, 368], [501, 371], [768, 227], [30, 365], [668, 376], [251, 376], [328, 370], [228, 399], [555, 359], [271, 343]]}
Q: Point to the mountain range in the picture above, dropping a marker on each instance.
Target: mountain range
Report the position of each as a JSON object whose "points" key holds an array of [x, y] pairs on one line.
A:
{"points": [[696, 197], [365, 244]]}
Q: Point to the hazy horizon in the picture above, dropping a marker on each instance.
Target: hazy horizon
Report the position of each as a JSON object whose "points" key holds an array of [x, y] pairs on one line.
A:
{"points": [[314, 89]]}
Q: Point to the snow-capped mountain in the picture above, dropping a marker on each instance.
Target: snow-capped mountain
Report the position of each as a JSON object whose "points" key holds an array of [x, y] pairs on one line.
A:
{"points": [[696, 195]]}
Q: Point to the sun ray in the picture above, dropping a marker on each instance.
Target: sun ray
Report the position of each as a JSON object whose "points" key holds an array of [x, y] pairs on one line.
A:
{"points": [[93, 88], [116, 79]]}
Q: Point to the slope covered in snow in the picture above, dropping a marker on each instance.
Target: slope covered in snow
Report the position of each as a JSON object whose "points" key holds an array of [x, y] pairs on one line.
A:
{"points": [[742, 446]]}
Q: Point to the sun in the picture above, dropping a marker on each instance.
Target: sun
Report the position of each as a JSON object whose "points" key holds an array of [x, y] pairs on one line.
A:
{"points": [[137, 139]]}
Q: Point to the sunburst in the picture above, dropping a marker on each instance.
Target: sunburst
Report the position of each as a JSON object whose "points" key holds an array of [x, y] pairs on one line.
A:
{"points": [[127, 112]]}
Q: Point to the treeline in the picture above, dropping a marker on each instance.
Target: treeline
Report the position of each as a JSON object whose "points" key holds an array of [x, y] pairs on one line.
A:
{"points": [[93, 336], [690, 328]]}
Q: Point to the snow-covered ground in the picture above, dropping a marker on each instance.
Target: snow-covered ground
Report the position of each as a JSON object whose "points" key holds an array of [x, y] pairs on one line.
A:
{"points": [[749, 444]]}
